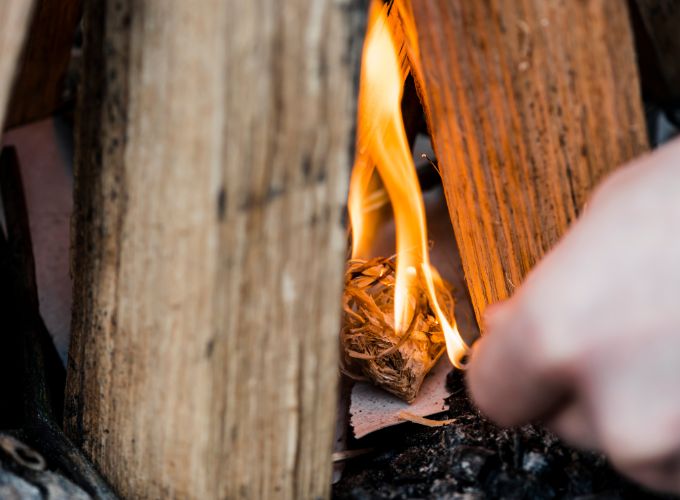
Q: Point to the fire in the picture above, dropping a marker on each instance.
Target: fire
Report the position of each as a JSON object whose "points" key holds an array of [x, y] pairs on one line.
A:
{"points": [[382, 145]]}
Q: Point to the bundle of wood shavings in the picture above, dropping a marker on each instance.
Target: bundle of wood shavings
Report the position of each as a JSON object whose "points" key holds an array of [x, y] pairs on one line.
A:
{"points": [[372, 350]]}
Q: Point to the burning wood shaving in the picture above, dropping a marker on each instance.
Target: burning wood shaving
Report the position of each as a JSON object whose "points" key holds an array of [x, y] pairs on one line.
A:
{"points": [[372, 350], [427, 422]]}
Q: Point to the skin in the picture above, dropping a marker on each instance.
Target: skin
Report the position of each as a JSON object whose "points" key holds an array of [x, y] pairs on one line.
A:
{"points": [[590, 344]]}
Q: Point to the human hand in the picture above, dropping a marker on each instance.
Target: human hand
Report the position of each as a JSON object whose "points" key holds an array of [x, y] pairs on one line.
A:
{"points": [[590, 343]]}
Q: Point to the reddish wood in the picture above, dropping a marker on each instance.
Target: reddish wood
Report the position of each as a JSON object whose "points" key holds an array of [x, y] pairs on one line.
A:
{"points": [[530, 103]]}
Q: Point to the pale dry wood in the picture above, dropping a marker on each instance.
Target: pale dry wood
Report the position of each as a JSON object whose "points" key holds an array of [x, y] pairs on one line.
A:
{"points": [[215, 142], [15, 16], [427, 422], [530, 104]]}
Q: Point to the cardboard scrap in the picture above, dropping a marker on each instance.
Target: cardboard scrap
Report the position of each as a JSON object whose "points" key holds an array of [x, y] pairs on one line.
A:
{"points": [[372, 408]]}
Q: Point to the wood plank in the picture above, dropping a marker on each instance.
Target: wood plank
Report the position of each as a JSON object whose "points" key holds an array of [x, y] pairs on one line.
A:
{"points": [[214, 152], [530, 104], [15, 16], [39, 86]]}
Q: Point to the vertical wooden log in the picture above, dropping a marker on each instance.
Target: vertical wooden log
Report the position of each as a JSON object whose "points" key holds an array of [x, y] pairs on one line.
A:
{"points": [[214, 150], [530, 103], [15, 16]]}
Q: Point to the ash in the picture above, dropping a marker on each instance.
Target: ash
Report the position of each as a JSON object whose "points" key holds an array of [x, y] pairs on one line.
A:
{"points": [[473, 459]]}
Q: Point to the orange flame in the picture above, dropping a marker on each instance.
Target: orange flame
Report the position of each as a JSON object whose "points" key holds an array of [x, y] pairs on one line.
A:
{"points": [[382, 144]]}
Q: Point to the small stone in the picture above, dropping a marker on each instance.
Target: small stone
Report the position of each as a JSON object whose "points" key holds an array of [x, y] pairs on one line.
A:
{"points": [[470, 463], [535, 463]]}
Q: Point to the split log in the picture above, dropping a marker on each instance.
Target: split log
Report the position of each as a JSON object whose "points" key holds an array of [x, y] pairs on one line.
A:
{"points": [[39, 86], [214, 149], [15, 16], [530, 104]]}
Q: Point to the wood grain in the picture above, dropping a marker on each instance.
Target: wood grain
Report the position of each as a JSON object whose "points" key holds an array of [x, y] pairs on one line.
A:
{"points": [[15, 16], [530, 104], [215, 143], [39, 85]]}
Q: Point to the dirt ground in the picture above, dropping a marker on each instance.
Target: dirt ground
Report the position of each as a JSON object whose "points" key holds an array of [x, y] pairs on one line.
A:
{"points": [[473, 459]]}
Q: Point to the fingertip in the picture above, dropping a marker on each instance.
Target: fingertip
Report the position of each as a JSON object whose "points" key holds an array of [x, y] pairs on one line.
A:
{"points": [[483, 366], [490, 365], [488, 386], [506, 378]]}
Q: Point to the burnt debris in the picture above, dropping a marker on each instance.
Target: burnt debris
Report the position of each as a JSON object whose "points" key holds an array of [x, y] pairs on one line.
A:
{"points": [[473, 460]]}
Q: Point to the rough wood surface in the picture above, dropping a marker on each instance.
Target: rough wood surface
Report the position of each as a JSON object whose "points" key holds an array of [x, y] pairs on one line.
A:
{"points": [[15, 16], [530, 104], [215, 142], [38, 88]]}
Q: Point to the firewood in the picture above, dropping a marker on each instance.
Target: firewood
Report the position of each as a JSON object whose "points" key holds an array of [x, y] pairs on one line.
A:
{"points": [[213, 155], [529, 105], [15, 16]]}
